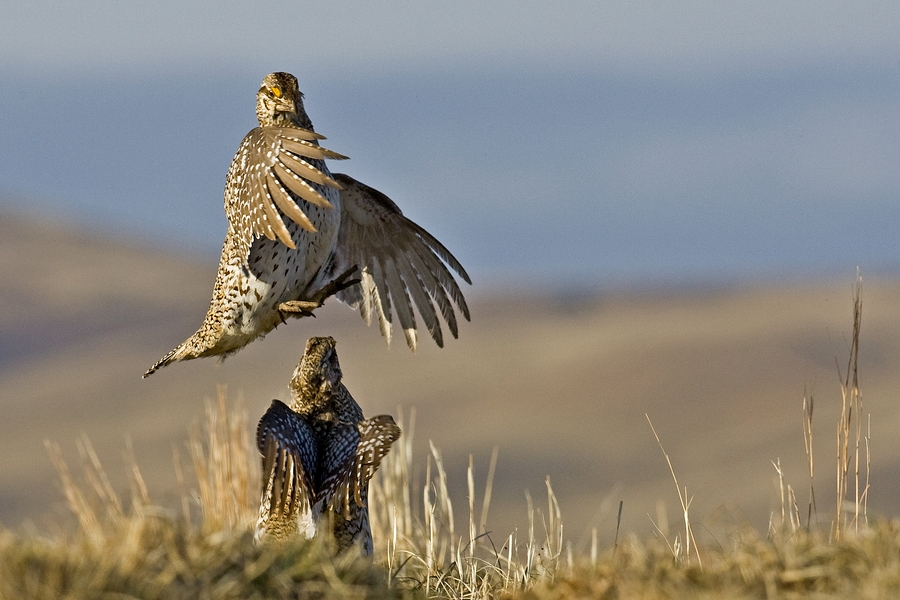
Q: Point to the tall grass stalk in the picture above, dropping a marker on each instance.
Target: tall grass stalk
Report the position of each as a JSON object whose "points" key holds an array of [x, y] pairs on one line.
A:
{"points": [[423, 549], [226, 466], [849, 435], [683, 555], [808, 448]]}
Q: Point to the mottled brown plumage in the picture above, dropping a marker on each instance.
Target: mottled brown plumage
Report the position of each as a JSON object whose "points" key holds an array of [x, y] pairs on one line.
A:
{"points": [[319, 454], [297, 235]]}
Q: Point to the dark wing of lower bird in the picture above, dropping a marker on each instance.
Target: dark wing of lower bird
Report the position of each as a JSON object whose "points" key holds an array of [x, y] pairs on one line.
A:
{"points": [[337, 456], [376, 435], [288, 446], [400, 264]]}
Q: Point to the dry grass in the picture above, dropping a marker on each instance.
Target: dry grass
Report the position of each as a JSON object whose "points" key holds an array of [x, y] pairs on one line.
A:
{"points": [[681, 550], [865, 565], [132, 548], [853, 558], [156, 556], [423, 548], [849, 433]]}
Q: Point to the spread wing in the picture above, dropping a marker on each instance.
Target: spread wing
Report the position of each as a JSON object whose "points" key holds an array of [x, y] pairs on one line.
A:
{"points": [[273, 168], [337, 458], [288, 446], [400, 265], [376, 435]]}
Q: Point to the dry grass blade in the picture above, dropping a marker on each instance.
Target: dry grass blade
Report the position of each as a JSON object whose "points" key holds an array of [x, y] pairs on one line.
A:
{"points": [[140, 496], [223, 462], [88, 520], [808, 448], [685, 507], [849, 432]]}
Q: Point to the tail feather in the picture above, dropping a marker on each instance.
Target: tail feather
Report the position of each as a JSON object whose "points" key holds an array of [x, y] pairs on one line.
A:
{"points": [[176, 354]]}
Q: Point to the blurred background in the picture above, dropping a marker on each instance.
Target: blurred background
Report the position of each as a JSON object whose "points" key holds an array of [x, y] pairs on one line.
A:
{"points": [[662, 206]]}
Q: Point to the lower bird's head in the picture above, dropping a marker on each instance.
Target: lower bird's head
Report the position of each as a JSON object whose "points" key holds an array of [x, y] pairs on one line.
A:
{"points": [[279, 102], [319, 370]]}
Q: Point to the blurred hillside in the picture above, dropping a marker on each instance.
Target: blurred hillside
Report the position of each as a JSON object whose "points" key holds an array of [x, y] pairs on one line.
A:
{"points": [[559, 382]]}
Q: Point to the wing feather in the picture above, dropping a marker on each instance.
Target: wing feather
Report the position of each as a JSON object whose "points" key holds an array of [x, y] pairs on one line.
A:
{"points": [[305, 170], [278, 196], [380, 298], [300, 186], [275, 171], [438, 248], [289, 455], [420, 296], [298, 133], [400, 300], [338, 456], [376, 435], [302, 147], [399, 263], [436, 291], [274, 225]]}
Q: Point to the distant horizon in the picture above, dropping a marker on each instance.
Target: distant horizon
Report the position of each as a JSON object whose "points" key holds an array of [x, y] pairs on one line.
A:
{"points": [[485, 284], [594, 176]]}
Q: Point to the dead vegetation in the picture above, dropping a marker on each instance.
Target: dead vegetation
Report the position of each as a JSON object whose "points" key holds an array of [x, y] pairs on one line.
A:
{"points": [[130, 547]]}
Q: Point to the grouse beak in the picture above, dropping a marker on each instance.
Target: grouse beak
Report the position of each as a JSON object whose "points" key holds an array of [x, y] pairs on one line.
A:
{"points": [[286, 107]]}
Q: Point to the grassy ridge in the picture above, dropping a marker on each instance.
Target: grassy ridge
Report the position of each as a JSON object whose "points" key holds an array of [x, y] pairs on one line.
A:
{"points": [[155, 556], [863, 565]]}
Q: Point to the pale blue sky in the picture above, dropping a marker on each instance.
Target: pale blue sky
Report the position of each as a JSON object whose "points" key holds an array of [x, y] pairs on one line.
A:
{"points": [[361, 37], [593, 142]]}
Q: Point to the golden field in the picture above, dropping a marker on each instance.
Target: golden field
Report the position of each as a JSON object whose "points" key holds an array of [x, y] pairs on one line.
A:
{"points": [[559, 382]]}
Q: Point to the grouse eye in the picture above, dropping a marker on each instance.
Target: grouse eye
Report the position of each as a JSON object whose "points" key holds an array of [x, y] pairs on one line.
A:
{"points": [[276, 91]]}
